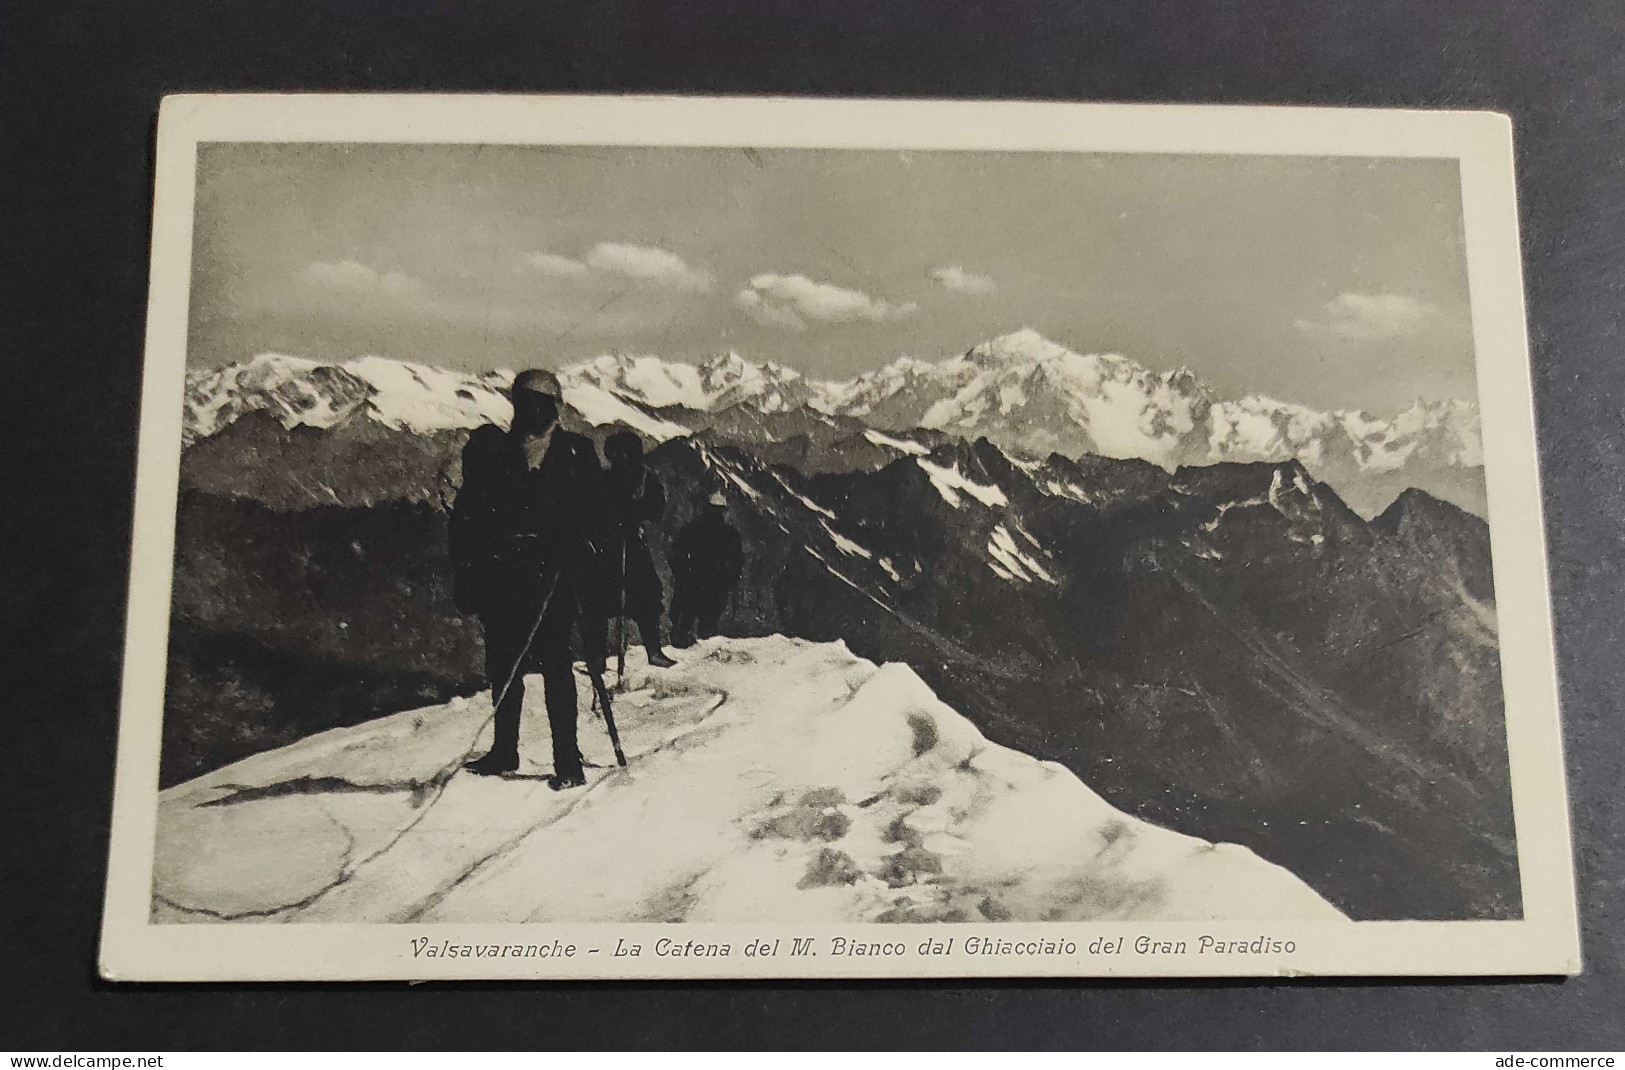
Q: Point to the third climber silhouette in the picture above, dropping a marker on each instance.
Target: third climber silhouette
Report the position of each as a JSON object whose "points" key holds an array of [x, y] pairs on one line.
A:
{"points": [[706, 558], [630, 587]]}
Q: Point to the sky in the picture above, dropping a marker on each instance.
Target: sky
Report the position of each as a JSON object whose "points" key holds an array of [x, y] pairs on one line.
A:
{"points": [[1337, 282]]}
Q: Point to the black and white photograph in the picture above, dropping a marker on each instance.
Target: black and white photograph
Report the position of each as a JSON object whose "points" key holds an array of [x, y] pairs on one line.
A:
{"points": [[618, 538]]}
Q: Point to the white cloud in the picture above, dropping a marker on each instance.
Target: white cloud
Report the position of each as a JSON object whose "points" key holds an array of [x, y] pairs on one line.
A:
{"points": [[958, 279], [1364, 316], [356, 277], [558, 266], [648, 264], [769, 315], [791, 300]]}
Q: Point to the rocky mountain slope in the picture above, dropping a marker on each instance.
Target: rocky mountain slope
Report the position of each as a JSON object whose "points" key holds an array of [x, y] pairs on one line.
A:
{"points": [[1228, 650], [793, 782]]}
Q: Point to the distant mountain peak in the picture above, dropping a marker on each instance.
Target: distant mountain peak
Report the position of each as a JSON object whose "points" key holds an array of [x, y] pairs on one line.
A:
{"points": [[714, 384], [1413, 507], [1025, 346], [297, 391], [731, 364]]}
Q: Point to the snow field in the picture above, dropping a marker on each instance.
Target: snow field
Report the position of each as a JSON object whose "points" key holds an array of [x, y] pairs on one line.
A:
{"points": [[770, 780]]}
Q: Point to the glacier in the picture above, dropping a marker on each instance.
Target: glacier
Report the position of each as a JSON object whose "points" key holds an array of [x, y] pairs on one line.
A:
{"points": [[770, 779]]}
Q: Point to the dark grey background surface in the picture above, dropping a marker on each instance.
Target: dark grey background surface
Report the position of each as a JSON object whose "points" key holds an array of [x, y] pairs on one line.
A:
{"points": [[79, 90]]}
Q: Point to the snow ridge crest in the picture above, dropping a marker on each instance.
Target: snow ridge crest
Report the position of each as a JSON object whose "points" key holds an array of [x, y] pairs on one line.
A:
{"points": [[796, 781]]}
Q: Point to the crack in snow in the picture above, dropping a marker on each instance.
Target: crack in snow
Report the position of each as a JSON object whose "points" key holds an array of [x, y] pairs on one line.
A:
{"points": [[424, 799], [440, 894], [309, 785]]}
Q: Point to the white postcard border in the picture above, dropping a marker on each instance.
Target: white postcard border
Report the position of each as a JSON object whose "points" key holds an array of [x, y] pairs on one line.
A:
{"points": [[1544, 941]]}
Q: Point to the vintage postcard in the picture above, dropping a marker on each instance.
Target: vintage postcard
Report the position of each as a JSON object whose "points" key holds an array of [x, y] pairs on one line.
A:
{"points": [[729, 538]]}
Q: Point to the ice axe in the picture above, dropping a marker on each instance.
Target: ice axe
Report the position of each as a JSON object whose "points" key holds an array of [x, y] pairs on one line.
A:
{"points": [[620, 619], [620, 626], [596, 675], [597, 678]]}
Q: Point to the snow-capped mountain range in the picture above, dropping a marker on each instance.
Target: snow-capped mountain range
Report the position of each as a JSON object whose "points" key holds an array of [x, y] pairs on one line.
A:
{"points": [[413, 397], [1025, 393]]}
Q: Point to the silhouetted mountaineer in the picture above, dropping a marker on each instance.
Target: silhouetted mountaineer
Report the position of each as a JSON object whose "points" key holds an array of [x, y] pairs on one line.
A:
{"points": [[706, 558], [520, 531], [629, 586]]}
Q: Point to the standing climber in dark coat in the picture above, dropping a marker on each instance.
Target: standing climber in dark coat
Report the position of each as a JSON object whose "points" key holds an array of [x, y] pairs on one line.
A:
{"points": [[520, 543], [630, 587], [706, 558]]}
